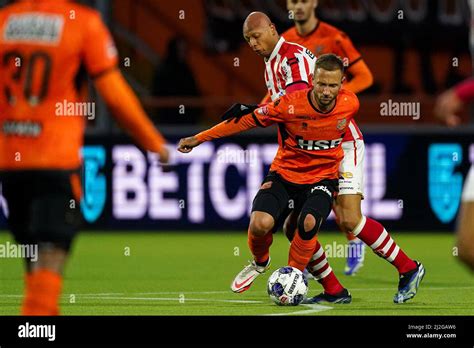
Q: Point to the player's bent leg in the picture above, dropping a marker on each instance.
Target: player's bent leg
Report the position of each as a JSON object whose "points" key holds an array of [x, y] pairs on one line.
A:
{"points": [[465, 242], [290, 225], [347, 209], [349, 214], [411, 272], [260, 237], [305, 249], [318, 265], [269, 204]]}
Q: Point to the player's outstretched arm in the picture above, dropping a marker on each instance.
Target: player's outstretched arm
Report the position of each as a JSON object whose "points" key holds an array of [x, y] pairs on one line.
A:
{"points": [[237, 111], [221, 130], [129, 113]]}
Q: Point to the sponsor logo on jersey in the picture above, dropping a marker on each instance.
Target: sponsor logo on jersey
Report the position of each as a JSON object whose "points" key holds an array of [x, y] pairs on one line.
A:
{"points": [[266, 185], [45, 28], [347, 175], [316, 145], [22, 128]]}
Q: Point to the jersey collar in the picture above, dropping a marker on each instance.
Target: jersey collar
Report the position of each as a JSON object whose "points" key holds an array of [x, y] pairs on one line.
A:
{"points": [[311, 32], [276, 49], [316, 108]]}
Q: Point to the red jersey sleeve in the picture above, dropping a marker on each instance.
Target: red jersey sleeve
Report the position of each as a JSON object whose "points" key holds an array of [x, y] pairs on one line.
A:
{"points": [[465, 90]]}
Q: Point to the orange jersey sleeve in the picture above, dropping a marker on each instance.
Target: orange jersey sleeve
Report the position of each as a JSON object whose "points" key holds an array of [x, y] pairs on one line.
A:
{"points": [[345, 49], [99, 50], [362, 77], [264, 116], [128, 111], [227, 128]]}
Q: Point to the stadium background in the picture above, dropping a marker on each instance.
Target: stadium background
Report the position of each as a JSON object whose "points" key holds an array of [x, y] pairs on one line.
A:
{"points": [[169, 243], [188, 62]]}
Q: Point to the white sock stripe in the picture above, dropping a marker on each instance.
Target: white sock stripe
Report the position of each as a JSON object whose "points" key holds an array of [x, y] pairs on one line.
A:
{"points": [[394, 254], [318, 254], [319, 265], [360, 226], [387, 246], [324, 274], [379, 240]]}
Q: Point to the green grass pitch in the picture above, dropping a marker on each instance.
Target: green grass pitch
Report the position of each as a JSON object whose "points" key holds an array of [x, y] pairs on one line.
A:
{"points": [[175, 273]]}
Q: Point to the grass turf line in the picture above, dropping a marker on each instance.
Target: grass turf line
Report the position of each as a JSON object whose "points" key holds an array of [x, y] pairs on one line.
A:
{"points": [[176, 273]]}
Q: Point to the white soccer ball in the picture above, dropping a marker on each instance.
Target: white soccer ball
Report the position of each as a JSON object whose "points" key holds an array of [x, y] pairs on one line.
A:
{"points": [[287, 286]]}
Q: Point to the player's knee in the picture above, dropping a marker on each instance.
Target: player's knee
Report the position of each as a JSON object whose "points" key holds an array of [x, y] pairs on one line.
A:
{"points": [[308, 226], [261, 224], [309, 222]]}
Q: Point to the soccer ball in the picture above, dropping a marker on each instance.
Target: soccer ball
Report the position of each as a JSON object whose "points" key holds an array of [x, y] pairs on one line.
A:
{"points": [[287, 286]]}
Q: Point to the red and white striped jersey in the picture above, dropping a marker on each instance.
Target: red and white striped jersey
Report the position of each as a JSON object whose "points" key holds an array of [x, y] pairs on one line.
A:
{"points": [[288, 64]]}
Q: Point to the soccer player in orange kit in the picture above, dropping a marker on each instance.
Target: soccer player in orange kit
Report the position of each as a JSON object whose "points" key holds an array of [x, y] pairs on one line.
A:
{"points": [[320, 38], [306, 169], [43, 45]]}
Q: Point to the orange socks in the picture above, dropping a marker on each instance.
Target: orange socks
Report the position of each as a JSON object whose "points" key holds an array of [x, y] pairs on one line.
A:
{"points": [[260, 246], [42, 293], [301, 251]]}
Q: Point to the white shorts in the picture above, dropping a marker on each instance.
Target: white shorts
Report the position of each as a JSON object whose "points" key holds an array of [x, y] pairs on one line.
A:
{"points": [[468, 191], [351, 170]]}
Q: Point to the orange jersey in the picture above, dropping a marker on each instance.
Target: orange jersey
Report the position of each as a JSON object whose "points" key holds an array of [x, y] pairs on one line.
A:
{"points": [[326, 39], [310, 141], [43, 46]]}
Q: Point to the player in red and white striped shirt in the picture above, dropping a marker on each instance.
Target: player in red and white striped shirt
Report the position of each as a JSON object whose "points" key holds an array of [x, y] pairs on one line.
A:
{"points": [[290, 67]]}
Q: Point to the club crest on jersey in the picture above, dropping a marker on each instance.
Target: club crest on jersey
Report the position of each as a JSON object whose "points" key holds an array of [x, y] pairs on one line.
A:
{"points": [[316, 145], [341, 124], [319, 50]]}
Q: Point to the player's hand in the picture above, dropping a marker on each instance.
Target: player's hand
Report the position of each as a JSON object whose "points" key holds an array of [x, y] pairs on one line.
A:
{"points": [[164, 156], [237, 110], [446, 107], [186, 145]]}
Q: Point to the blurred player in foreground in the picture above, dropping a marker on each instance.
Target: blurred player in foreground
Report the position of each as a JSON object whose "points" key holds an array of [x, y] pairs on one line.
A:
{"points": [[322, 38], [447, 106], [305, 169], [43, 44]]}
